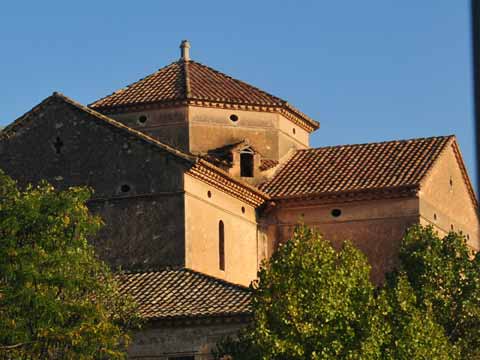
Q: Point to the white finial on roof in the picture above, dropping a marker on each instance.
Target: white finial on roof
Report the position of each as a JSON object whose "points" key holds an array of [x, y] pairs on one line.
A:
{"points": [[185, 50]]}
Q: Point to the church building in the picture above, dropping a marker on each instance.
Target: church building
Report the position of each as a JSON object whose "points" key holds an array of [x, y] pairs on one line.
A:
{"points": [[199, 177]]}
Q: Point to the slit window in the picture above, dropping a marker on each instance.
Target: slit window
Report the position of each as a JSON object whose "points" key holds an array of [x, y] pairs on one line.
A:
{"points": [[246, 163], [221, 245], [58, 144]]}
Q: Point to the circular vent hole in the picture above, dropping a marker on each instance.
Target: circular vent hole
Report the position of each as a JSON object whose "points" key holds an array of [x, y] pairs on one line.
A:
{"points": [[336, 212], [142, 119], [234, 117], [125, 188]]}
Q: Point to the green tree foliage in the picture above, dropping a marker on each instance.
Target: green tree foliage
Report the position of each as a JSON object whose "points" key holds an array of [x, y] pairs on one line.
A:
{"points": [[409, 332], [309, 296], [445, 276], [314, 302], [57, 300]]}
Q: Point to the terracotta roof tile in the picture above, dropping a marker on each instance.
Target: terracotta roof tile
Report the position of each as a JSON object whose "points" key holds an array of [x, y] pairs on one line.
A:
{"points": [[204, 83], [179, 293], [190, 80], [359, 167], [267, 164]]}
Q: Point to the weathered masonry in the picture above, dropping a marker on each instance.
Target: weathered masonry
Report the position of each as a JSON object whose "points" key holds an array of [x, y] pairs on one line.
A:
{"points": [[199, 176]]}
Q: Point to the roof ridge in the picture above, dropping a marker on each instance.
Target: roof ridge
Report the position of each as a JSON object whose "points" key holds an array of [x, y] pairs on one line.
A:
{"points": [[186, 72], [119, 125], [380, 142]]}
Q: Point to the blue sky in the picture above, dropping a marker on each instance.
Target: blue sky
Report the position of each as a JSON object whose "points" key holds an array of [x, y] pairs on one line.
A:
{"points": [[368, 70]]}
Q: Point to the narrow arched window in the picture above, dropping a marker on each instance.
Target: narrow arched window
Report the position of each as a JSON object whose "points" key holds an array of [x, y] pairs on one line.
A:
{"points": [[246, 163], [221, 245]]}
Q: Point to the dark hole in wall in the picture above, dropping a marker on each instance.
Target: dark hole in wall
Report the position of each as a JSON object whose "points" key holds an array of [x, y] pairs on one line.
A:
{"points": [[142, 119], [58, 145], [336, 212], [246, 165], [221, 245]]}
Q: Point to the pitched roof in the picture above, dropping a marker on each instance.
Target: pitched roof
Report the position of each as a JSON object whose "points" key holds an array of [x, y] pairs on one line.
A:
{"points": [[267, 164], [190, 80], [11, 128], [209, 172], [179, 293], [351, 168]]}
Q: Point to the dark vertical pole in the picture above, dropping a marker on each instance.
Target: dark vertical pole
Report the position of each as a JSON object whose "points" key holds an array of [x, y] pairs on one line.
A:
{"points": [[476, 78]]}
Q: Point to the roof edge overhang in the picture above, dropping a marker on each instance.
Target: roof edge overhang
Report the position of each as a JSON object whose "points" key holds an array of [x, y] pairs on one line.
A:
{"points": [[452, 142], [198, 168], [226, 318], [408, 191], [212, 175], [287, 110], [105, 120]]}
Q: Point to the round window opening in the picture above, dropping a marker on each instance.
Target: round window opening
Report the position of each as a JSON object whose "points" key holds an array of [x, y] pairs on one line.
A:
{"points": [[234, 117], [142, 119], [125, 188], [336, 212]]}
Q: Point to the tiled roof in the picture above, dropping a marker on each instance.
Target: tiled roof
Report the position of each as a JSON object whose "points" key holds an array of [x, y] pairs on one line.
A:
{"points": [[190, 80], [267, 164], [217, 176], [179, 293], [350, 168], [222, 156], [183, 80]]}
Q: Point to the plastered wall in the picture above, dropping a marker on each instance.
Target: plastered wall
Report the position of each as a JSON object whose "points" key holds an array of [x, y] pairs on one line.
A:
{"points": [[445, 201], [269, 133], [375, 227], [202, 216]]}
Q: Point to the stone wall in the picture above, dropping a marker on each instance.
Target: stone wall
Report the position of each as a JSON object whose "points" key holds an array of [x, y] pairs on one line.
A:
{"points": [[169, 125], [167, 342], [138, 187]]}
